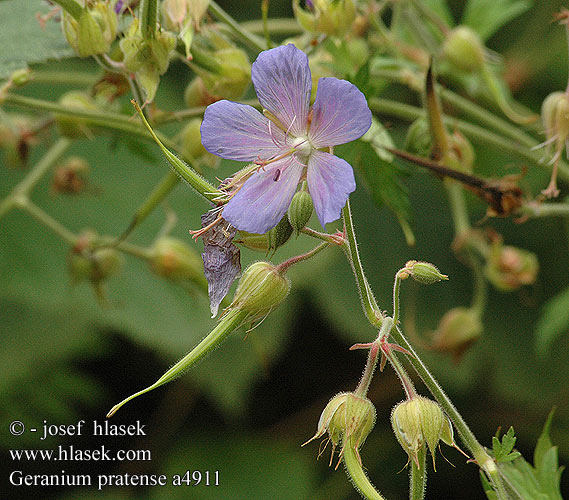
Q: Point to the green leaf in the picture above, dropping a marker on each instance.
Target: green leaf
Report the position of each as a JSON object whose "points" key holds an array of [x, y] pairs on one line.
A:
{"points": [[380, 177], [553, 322], [488, 16], [24, 41], [503, 450], [540, 482]]}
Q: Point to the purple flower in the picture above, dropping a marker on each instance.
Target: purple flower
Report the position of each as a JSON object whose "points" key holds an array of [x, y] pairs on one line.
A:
{"points": [[289, 142]]}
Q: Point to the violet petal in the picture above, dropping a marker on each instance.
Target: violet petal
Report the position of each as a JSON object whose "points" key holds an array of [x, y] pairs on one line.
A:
{"points": [[239, 132], [265, 197], [340, 113], [330, 182], [282, 80]]}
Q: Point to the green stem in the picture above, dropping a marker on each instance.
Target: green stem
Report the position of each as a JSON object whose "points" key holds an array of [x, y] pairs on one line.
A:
{"points": [[356, 472], [265, 18], [536, 210], [71, 7], [329, 238], [23, 189], [284, 26], [283, 266], [186, 172], [75, 78], [370, 307], [168, 182], [396, 293], [148, 18], [47, 220], [418, 476], [245, 36], [466, 435], [458, 207], [475, 132], [226, 325]]}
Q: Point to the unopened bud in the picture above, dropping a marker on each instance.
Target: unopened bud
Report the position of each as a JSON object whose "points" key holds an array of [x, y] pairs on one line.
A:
{"points": [[147, 57], [348, 419], [464, 48], [70, 176], [555, 116], [261, 288], [95, 30], [279, 234], [88, 263], [232, 76], [423, 272], [419, 140], [418, 422], [73, 126], [21, 77], [253, 241], [458, 329], [300, 210], [175, 260], [508, 267], [460, 155], [196, 95], [329, 17]]}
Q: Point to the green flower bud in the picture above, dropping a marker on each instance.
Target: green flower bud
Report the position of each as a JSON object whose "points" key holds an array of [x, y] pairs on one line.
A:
{"points": [[555, 116], [71, 176], [88, 263], [73, 126], [348, 419], [464, 48], [329, 17], [359, 52], [279, 235], [232, 77], [461, 153], [174, 13], [418, 422], [95, 30], [261, 288], [147, 57], [173, 259], [196, 95], [192, 148], [418, 140], [20, 77], [423, 272], [300, 210], [508, 267], [257, 242], [458, 329]]}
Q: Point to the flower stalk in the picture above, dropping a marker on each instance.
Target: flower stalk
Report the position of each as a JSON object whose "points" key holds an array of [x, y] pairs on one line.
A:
{"points": [[355, 471]]}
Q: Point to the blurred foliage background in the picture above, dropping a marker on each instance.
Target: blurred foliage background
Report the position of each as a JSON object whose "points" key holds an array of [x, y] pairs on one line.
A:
{"points": [[246, 409]]}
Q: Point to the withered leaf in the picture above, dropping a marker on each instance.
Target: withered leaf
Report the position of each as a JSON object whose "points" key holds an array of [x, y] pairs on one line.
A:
{"points": [[221, 258]]}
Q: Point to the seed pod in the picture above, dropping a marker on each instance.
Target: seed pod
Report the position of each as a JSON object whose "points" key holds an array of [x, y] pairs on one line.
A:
{"points": [[464, 48], [261, 288], [300, 210]]}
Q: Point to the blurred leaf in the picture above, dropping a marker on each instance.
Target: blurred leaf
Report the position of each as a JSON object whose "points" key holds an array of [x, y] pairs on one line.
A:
{"points": [[488, 16], [441, 10], [380, 177], [553, 321], [248, 468], [540, 482], [24, 41]]}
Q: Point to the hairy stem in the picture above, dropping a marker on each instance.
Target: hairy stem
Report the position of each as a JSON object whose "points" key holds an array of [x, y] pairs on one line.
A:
{"points": [[245, 36], [370, 307], [356, 473], [418, 476]]}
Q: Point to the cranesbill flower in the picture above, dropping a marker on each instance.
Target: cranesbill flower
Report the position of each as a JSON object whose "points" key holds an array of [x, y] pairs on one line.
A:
{"points": [[289, 142]]}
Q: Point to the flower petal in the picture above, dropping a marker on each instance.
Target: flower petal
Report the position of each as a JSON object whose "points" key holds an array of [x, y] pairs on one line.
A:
{"points": [[281, 78], [340, 113], [265, 197], [239, 132], [330, 182]]}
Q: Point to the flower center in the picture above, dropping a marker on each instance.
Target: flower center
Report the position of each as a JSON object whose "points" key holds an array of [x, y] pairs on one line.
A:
{"points": [[302, 147]]}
